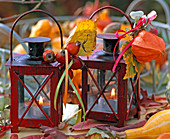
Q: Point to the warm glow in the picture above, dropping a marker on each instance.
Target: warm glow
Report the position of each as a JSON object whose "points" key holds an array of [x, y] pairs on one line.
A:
{"points": [[113, 92], [41, 100]]}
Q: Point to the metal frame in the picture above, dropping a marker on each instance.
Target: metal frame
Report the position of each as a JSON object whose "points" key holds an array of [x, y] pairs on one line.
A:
{"points": [[53, 73], [123, 113]]}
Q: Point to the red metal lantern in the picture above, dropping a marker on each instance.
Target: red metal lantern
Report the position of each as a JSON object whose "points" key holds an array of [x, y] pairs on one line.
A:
{"points": [[33, 84], [98, 82]]}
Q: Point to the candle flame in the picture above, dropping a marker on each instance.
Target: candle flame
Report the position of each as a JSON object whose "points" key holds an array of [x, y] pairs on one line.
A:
{"points": [[113, 92], [41, 100]]}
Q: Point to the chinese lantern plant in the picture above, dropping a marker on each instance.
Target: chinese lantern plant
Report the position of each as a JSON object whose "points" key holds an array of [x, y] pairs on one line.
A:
{"points": [[144, 46], [147, 46]]}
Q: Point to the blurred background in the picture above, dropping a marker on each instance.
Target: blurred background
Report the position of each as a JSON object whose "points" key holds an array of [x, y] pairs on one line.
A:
{"points": [[74, 7]]}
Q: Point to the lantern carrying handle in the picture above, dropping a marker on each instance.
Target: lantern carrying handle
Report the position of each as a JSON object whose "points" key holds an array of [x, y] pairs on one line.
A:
{"points": [[37, 10], [111, 7]]}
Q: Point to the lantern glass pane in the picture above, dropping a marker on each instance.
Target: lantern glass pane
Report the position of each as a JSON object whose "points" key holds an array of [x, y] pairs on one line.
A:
{"points": [[34, 83], [102, 76], [111, 92]]}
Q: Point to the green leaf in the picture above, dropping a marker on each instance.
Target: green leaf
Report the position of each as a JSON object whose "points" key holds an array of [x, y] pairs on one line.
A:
{"points": [[97, 131], [78, 96], [59, 84]]}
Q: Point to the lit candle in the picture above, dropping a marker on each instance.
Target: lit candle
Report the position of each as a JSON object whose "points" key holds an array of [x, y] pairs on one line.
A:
{"points": [[40, 101], [35, 110], [113, 94]]}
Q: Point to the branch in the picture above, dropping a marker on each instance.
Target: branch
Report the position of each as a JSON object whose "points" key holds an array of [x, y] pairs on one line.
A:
{"points": [[17, 15], [27, 1]]}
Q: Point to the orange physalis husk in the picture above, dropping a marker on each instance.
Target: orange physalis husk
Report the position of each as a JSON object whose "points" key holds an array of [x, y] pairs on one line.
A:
{"points": [[147, 46]]}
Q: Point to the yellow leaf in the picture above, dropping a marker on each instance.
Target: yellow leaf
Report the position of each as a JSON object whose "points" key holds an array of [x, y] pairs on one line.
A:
{"points": [[132, 65], [85, 30], [130, 72], [138, 66]]}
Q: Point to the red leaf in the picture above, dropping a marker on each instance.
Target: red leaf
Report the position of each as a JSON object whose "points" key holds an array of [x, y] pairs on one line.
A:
{"points": [[3, 129], [36, 137], [120, 129], [150, 101], [54, 132], [87, 125]]}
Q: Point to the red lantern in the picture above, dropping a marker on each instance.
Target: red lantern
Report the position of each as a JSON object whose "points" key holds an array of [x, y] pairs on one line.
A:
{"points": [[107, 96], [33, 84]]}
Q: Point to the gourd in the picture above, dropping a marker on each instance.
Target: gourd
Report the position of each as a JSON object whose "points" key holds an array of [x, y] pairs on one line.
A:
{"points": [[158, 124], [147, 46]]}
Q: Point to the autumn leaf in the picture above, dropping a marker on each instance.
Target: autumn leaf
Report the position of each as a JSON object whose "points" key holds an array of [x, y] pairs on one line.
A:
{"points": [[97, 133], [86, 125], [85, 30], [133, 66]]}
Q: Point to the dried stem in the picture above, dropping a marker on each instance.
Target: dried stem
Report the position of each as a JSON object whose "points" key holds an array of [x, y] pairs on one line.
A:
{"points": [[27, 2], [24, 2]]}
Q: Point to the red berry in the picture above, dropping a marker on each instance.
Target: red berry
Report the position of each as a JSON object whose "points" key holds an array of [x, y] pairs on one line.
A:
{"points": [[60, 56], [73, 48], [77, 64], [48, 56]]}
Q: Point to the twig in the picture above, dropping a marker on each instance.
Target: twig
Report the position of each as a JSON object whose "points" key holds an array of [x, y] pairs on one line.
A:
{"points": [[27, 2], [17, 15]]}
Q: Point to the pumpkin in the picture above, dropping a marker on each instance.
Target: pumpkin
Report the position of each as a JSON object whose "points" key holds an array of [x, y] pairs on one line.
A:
{"points": [[158, 124], [19, 49], [147, 46], [55, 32], [103, 19], [56, 44], [42, 28]]}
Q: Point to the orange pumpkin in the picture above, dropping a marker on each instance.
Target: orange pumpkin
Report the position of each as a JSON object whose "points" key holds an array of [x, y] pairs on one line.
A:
{"points": [[147, 46], [19, 49], [55, 32], [56, 44], [42, 28], [103, 19]]}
